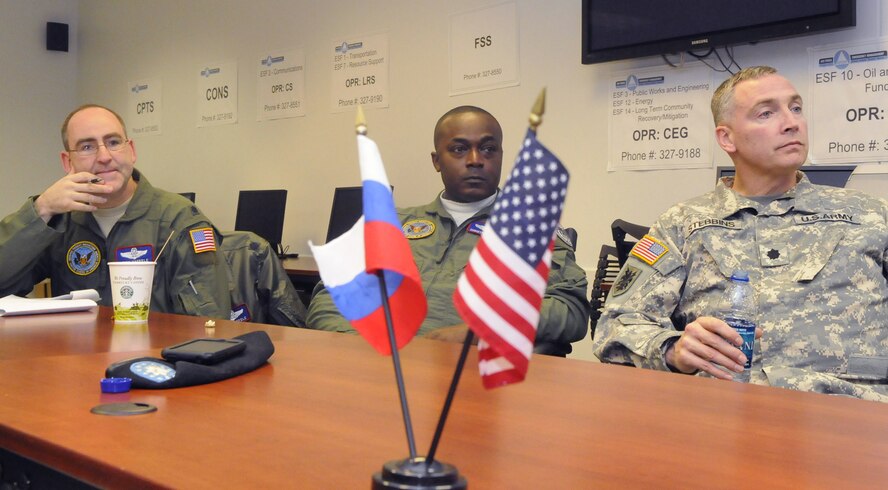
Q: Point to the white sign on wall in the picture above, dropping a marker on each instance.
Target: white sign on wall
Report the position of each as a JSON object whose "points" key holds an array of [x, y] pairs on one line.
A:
{"points": [[145, 109], [848, 92], [217, 94], [484, 49], [360, 73], [281, 85], [660, 118]]}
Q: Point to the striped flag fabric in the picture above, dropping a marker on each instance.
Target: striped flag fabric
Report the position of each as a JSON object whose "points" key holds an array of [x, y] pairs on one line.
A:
{"points": [[203, 240], [348, 264], [500, 292], [648, 249]]}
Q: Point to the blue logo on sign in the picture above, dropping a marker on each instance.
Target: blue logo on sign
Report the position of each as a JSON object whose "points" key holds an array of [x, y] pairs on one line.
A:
{"points": [[632, 82], [206, 72], [841, 59], [270, 60], [344, 47]]}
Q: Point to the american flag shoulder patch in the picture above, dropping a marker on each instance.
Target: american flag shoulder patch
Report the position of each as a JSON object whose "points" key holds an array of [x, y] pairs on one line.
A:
{"points": [[649, 250], [203, 240]]}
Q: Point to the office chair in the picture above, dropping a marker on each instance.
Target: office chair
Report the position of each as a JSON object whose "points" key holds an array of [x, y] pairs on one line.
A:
{"points": [[606, 272], [619, 230], [258, 282], [348, 206], [262, 212]]}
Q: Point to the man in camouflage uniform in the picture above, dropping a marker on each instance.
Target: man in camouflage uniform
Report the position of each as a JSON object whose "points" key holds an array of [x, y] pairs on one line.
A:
{"points": [[817, 257], [104, 210], [442, 234]]}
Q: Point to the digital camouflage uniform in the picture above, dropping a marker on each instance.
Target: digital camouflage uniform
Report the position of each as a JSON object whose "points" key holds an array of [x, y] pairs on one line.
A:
{"points": [[817, 258], [441, 252], [73, 253]]}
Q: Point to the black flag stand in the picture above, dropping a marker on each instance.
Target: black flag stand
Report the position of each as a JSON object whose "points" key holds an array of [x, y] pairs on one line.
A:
{"points": [[413, 473]]}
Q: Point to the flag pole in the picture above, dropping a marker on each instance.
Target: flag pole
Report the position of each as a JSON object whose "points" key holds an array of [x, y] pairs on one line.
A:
{"points": [[536, 118], [361, 129], [450, 394]]}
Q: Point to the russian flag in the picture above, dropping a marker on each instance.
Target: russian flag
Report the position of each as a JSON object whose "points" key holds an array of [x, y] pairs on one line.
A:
{"points": [[348, 264]]}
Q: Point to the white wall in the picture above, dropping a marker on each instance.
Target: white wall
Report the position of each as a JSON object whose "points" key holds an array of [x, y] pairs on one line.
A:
{"points": [[125, 40], [37, 89]]}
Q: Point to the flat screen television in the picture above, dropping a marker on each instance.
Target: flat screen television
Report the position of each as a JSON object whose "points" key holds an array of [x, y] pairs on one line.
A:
{"points": [[262, 212], [622, 29]]}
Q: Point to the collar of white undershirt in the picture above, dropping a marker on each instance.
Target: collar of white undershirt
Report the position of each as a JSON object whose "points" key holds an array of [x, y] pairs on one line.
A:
{"points": [[108, 217], [461, 211]]}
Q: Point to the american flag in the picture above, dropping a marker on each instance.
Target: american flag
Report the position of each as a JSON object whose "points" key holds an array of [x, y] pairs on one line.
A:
{"points": [[202, 240], [648, 249], [500, 292]]}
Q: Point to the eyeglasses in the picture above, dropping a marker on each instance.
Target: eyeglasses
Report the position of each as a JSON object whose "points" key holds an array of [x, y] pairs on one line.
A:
{"points": [[90, 148]]}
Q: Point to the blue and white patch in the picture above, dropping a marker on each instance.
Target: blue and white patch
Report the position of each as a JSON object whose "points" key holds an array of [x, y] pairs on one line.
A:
{"points": [[153, 371], [477, 227], [135, 253], [84, 258], [240, 313]]}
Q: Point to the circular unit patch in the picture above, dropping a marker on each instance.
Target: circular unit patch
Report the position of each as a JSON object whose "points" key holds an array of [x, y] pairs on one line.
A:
{"points": [[84, 258], [418, 228]]}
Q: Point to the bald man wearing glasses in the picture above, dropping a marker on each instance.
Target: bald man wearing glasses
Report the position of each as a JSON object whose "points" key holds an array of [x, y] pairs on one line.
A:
{"points": [[104, 210]]}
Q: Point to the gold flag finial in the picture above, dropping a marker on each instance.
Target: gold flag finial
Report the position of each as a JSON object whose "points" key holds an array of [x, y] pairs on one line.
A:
{"points": [[539, 107], [360, 122]]}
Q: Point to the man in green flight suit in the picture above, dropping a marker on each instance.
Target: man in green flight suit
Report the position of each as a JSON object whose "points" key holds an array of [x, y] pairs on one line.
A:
{"points": [[104, 210], [468, 155]]}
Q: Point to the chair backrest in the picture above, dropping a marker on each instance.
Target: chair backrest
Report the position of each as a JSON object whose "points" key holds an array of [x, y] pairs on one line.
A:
{"points": [[348, 206], [262, 212], [606, 271], [619, 230], [260, 290], [346, 210]]}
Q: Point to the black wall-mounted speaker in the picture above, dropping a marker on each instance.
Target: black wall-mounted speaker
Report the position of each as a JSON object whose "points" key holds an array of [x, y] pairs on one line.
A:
{"points": [[56, 36]]}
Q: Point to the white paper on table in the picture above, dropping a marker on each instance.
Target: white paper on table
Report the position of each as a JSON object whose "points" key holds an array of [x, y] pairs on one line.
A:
{"points": [[75, 301]]}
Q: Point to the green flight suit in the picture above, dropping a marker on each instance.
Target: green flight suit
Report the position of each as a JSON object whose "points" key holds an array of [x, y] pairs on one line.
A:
{"points": [[73, 253], [441, 257]]}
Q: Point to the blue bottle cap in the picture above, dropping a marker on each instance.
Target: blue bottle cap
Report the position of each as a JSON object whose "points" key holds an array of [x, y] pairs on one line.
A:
{"points": [[116, 385]]}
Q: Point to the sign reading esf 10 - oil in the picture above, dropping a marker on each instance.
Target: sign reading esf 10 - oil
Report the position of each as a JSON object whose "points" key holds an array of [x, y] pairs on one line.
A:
{"points": [[217, 94], [360, 73], [281, 85], [847, 117], [660, 119], [145, 107]]}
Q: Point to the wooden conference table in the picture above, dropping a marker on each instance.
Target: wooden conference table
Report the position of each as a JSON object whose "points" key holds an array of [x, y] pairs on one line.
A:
{"points": [[324, 413]]}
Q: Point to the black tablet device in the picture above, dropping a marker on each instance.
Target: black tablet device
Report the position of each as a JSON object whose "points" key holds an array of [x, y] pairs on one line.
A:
{"points": [[204, 351]]}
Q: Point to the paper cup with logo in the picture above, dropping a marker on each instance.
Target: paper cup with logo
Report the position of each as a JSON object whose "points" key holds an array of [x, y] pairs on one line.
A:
{"points": [[131, 284]]}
